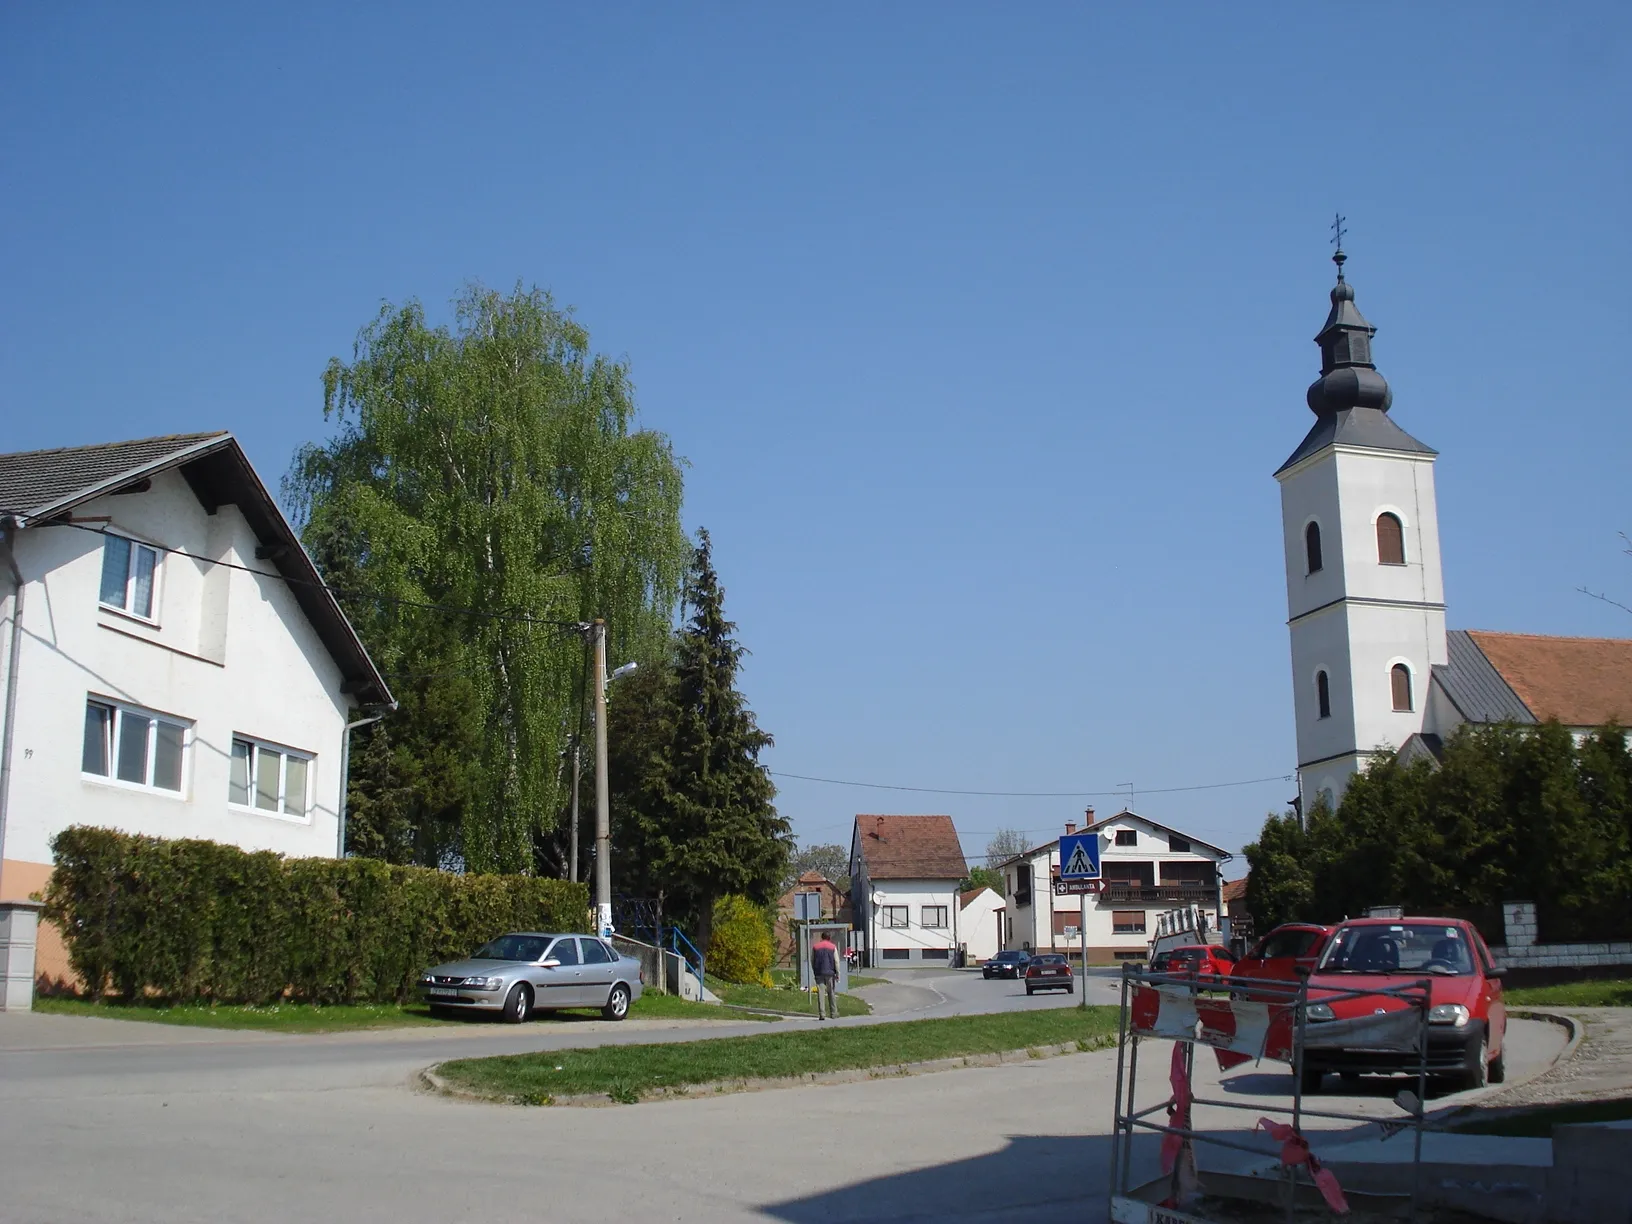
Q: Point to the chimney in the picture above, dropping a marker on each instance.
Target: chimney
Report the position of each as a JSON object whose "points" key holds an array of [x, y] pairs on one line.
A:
{"points": [[1070, 827], [1088, 816], [878, 830]]}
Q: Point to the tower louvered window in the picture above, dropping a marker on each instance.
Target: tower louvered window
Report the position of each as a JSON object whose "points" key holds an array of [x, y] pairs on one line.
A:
{"points": [[1400, 678], [1323, 694], [1311, 547], [1390, 540]]}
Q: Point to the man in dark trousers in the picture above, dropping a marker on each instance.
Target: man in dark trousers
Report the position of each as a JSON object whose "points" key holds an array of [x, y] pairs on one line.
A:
{"points": [[824, 966]]}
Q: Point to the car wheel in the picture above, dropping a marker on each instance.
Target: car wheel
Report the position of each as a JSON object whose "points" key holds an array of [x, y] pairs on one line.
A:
{"points": [[1497, 1073], [1030, 991], [1070, 990], [617, 1003], [1476, 1072], [518, 1004], [1312, 1078]]}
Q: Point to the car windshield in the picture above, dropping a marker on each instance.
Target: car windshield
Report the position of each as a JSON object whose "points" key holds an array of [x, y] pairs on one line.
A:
{"points": [[513, 948], [1049, 960], [1285, 943], [1010, 956], [1399, 947]]}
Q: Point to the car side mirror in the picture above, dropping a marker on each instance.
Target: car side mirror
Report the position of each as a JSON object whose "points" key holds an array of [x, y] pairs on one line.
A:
{"points": [[1494, 975], [552, 963]]}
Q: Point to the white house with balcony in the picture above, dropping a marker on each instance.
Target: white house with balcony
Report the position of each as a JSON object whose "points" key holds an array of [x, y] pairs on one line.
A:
{"points": [[905, 872], [1147, 868], [173, 663]]}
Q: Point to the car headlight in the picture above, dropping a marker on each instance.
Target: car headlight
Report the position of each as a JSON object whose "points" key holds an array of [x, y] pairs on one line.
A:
{"points": [[1319, 1011], [1448, 1013], [427, 980], [484, 983]]}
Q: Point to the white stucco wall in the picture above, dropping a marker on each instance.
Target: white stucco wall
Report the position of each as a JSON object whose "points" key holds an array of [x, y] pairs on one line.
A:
{"points": [[1356, 618], [915, 938], [977, 927], [228, 653]]}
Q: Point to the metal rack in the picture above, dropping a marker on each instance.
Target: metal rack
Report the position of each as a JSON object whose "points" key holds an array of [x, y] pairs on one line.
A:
{"points": [[1255, 1020]]}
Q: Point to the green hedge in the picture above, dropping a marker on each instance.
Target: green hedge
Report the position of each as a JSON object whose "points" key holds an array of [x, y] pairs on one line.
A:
{"points": [[191, 920]]}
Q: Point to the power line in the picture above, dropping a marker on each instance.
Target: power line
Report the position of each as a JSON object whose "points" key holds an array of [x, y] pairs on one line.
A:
{"points": [[452, 609], [934, 790]]}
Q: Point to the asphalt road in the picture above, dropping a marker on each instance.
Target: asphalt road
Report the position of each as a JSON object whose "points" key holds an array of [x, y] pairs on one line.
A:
{"points": [[121, 1121]]}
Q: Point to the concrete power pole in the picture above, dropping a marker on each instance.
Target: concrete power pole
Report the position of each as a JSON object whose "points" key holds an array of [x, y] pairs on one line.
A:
{"points": [[577, 752], [603, 804]]}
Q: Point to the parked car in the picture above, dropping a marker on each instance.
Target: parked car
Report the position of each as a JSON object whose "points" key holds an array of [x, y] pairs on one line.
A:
{"points": [[1205, 960], [1467, 1020], [527, 971], [1050, 971], [1006, 965], [1278, 956]]}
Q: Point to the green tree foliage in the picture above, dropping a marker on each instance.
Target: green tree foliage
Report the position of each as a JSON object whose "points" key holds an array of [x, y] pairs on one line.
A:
{"points": [[696, 817], [197, 920], [1511, 813], [741, 949], [831, 860], [1005, 844], [982, 877], [493, 467]]}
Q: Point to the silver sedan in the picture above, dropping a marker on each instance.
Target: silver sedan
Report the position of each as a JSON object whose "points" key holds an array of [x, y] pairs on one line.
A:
{"points": [[525, 971]]}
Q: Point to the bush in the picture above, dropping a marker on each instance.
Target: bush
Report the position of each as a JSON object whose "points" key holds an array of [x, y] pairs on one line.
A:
{"points": [[197, 920], [740, 949]]}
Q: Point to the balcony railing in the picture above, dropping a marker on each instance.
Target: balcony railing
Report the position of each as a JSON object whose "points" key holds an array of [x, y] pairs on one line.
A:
{"points": [[1139, 894]]}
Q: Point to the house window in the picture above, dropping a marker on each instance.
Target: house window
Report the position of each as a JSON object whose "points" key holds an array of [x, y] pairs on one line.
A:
{"points": [[934, 953], [1311, 547], [1390, 540], [895, 953], [134, 746], [1323, 695], [268, 778], [1128, 922], [895, 916], [1127, 837], [1178, 845], [934, 916], [128, 573], [1400, 679]]}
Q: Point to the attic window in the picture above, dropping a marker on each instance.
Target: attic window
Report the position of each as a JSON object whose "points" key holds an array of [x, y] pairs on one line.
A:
{"points": [[1178, 845], [1127, 837], [129, 571]]}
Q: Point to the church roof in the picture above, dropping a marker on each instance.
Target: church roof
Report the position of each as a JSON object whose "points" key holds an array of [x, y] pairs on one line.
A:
{"points": [[1371, 428], [1582, 682], [1474, 686]]}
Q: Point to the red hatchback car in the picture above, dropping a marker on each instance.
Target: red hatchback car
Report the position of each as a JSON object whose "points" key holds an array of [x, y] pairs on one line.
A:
{"points": [[1467, 1019], [1204, 960], [1278, 956]]}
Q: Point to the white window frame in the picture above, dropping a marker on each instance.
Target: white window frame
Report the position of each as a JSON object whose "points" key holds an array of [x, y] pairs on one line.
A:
{"points": [[114, 741], [136, 546], [888, 918], [256, 746], [923, 917]]}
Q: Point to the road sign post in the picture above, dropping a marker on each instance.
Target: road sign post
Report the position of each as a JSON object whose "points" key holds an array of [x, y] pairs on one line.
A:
{"points": [[1079, 873]]}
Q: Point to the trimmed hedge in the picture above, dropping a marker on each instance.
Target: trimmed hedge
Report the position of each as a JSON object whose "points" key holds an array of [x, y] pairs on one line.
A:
{"points": [[189, 920]]}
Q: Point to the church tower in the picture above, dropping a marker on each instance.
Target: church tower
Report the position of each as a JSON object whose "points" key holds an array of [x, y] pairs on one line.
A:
{"points": [[1365, 598]]}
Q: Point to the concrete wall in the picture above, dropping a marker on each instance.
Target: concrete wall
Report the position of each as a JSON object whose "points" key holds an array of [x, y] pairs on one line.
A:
{"points": [[1522, 954]]}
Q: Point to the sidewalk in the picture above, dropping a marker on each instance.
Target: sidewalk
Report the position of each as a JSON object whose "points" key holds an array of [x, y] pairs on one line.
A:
{"points": [[1601, 1068]]}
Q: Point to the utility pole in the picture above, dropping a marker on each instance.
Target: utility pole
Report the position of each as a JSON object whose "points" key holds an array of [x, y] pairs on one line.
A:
{"points": [[603, 805], [577, 751]]}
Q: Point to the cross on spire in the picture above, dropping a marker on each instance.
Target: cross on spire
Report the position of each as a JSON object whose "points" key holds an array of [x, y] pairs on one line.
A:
{"points": [[1337, 241]]}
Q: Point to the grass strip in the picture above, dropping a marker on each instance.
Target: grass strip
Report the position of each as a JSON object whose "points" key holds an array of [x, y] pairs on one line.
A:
{"points": [[782, 998], [1539, 1123], [314, 1018], [626, 1073], [1606, 992]]}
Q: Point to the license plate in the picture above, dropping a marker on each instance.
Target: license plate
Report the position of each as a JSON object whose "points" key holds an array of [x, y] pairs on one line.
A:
{"points": [[443, 994]]}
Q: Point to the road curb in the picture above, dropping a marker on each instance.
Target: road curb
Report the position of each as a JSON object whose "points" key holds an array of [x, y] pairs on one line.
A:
{"points": [[429, 1078], [1575, 1032]]}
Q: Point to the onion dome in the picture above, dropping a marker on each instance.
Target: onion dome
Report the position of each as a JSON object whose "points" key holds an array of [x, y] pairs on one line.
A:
{"points": [[1348, 379]]}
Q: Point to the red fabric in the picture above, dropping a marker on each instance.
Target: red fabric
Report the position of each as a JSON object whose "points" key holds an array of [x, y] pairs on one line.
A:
{"points": [[1178, 1109], [1295, 1151]]}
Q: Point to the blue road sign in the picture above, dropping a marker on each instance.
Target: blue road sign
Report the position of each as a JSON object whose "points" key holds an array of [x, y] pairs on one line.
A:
{"points": [[1079, 856]]}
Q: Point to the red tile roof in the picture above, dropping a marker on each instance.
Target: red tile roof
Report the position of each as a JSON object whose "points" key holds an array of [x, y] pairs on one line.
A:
{"points": [[1582, 682], [911, 847], [1234, 890]]}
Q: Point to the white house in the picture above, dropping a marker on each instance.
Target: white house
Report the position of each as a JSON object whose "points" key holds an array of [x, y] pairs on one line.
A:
{"points": [[1147, 868], [904, 873], [1373, 666], [173, 663], [980, 915]]}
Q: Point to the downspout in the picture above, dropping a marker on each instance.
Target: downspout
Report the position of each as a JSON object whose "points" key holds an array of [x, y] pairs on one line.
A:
{"points": [[345, 772], [8, 537]]}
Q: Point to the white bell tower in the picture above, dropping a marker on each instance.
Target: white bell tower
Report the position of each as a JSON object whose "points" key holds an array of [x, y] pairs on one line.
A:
{"points": [[1365, 598]]}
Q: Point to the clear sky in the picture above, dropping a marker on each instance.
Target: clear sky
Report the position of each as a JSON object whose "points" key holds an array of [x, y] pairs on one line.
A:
{"points": [[982, 327]]}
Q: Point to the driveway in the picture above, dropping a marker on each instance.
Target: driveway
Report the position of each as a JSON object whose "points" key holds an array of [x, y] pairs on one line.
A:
{"points": [[131, 1122]]}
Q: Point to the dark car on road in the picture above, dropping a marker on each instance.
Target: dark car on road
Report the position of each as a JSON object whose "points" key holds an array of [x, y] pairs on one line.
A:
{"points": [[1006, 965], [1050, 971]]}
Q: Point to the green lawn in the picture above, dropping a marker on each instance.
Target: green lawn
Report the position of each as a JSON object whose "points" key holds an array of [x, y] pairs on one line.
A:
{"points": [[627, 1073], [307, 1018], [1539, 1123], [790, 977], [781, 998], [1609, 992]]}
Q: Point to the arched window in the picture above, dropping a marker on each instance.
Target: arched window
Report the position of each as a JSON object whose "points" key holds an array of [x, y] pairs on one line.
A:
{"points": [[1400, 678], [1323, 694], [1390, 540], [1311, 547], [1329, 798]]}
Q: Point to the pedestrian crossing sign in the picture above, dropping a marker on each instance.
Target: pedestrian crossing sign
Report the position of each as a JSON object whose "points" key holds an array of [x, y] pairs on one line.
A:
{"points": [[1079, 856]]}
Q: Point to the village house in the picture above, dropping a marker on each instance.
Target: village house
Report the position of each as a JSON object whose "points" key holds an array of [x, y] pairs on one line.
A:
{"points": [[174, 665], [905, 872], [979, 923], [832, 905], [1147, 868]]}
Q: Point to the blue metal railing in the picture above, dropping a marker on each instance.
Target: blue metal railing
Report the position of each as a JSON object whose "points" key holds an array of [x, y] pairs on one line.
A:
{"points": [[693, 961]]}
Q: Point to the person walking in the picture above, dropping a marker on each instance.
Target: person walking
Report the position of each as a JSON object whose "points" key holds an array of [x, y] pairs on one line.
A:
{"points": [[824, 967]]}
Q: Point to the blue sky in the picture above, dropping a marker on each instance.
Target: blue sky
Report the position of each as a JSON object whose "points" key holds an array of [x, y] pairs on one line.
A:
{"points": [[982, 329]]}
